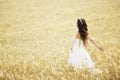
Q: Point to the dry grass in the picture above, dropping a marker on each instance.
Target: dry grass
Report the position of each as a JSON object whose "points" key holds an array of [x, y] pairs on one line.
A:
{"points": [[35, 38]]}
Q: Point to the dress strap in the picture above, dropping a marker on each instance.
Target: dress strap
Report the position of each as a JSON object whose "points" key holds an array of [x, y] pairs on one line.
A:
{"points": [[80, 42]]}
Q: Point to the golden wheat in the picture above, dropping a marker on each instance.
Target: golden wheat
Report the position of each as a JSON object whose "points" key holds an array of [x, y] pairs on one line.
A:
{"points": [[35, 38]]}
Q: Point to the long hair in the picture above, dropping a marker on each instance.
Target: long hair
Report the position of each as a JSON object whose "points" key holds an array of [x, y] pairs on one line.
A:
{"points": [[83, 31]]}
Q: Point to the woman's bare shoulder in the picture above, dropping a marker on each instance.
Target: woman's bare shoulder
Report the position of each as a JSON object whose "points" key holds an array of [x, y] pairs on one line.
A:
{"points": [[78, 35]]}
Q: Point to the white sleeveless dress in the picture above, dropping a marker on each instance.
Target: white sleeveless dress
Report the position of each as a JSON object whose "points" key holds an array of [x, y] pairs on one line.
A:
{"points": [[78, 57]]}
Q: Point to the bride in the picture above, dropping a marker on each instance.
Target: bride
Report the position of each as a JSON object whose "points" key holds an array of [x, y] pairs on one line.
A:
{"points": [[79, 57]]}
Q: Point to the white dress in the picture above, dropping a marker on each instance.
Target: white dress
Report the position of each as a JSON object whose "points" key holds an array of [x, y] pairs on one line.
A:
{"points": [[79, 57]]}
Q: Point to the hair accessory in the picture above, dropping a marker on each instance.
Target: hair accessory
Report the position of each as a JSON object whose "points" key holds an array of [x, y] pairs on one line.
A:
{"points": [[81, 21]]}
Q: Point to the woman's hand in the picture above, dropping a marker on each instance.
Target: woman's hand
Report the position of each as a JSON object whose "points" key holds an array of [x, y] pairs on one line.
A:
{"points": [[101, 49]]}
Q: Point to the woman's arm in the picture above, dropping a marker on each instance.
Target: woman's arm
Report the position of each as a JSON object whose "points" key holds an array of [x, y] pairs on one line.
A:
{"points": [[99, 47]]}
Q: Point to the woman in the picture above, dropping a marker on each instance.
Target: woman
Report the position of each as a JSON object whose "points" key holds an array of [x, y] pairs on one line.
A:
{"points": [[79, 57]]}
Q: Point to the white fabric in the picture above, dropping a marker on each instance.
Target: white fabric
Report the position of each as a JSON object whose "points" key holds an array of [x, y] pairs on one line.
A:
{"points": [[78, 57]]}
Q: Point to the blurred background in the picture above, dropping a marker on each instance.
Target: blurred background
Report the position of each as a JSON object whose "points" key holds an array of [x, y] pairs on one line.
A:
{"points": [[36, 37]]}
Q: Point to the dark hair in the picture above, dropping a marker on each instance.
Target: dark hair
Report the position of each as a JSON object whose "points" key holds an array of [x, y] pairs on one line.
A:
{"points": [[83, 31]]}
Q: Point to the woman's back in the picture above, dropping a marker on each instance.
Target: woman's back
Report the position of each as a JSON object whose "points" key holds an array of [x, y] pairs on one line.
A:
{"points": [[77, 43]]}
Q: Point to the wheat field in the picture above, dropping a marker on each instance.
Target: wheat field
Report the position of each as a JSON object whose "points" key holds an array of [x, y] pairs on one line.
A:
{"points": [[35, 38]]}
